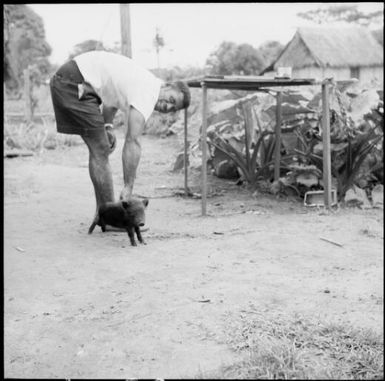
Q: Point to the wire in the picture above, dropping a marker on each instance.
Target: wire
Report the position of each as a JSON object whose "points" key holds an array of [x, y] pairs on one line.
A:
{"points": [[100, 41]]}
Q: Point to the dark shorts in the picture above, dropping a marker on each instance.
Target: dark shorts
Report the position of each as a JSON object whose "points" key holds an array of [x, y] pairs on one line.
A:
{"points": [[75, 103]]}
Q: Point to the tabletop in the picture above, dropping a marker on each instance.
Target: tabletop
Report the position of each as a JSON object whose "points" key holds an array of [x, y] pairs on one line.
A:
{"points": [[247, 82]]}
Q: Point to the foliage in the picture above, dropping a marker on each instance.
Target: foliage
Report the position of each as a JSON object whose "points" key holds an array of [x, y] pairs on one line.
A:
{"points": [[356, 124], [24, 136], [231, 58], [8, 73], [257, 162], [346, 157], [251, 169], [356, 136], [178, 73], [356, 152], [90, 45], [344, 12], [270, 50], [379, 35], [24, 45], [36, 136]]}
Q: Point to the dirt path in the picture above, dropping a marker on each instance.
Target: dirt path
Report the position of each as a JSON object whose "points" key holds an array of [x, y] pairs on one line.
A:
{"points": [[92, 306]]}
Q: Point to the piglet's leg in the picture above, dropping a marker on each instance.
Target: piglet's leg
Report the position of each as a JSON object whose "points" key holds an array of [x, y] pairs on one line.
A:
{"points": [[92, 227], [139, 235], [130, 232], [95, 222], [102, 224]]}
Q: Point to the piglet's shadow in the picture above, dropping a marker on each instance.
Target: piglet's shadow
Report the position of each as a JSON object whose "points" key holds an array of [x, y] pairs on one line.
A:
{"points": [[121, 230]]}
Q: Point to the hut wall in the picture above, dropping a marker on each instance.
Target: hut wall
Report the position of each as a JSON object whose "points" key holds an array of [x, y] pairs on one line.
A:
{"points": [[307, 72], [372, 75], [368, 75]]}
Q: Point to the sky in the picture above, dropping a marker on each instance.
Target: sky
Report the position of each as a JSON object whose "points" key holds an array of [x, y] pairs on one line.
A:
{"points": [[191, 31]]}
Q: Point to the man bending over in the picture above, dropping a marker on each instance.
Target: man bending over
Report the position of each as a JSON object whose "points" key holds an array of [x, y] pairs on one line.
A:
{"points": [[86, 93]]}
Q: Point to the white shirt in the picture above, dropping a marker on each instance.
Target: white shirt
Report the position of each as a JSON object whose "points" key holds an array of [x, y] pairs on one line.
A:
{"points": [[119, 81]]}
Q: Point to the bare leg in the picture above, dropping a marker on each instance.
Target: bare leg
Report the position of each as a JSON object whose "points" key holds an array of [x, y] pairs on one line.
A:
{"points": [[99, 167], [131, 152]]}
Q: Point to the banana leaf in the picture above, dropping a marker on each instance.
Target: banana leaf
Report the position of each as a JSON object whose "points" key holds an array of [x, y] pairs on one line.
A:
{"points": [[228, 150]]}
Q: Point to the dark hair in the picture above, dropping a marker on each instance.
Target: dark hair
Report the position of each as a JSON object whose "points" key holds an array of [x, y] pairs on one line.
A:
{"points": [[182, 86]]}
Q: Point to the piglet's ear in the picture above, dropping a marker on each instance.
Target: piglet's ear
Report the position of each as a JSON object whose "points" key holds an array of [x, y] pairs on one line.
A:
{"points": [[145, 202], [125, 204]]}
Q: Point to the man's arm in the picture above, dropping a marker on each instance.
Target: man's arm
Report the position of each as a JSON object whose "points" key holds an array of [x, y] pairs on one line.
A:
{"points": [[108, 115]]}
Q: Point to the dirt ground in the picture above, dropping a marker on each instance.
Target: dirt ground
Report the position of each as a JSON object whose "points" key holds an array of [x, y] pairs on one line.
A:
{"points": [[92, 306]]}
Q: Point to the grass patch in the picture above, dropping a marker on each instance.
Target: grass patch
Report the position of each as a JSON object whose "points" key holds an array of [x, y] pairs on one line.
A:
{"points": [[299, 348], [41, 133], [36, 136]]}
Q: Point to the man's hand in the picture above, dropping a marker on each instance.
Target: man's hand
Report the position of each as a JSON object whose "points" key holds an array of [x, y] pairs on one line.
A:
{"points": [[108, 115], [111, 137]]}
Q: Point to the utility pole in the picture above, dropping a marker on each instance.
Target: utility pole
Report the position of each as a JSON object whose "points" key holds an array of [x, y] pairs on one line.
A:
{"points": [[125, 29], [159, 44], [125, 35]]}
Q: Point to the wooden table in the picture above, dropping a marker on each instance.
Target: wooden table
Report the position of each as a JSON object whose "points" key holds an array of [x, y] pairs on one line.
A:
{"points": [[252, 83]]}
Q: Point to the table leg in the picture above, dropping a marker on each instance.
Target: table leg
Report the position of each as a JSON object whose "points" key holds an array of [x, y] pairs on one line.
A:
{"points": [[326, 145], [204, 148], [185, 163], [278, 120]]}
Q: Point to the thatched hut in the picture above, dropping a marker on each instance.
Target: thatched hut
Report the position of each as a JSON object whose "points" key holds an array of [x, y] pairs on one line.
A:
{"points": [[341, 53]]}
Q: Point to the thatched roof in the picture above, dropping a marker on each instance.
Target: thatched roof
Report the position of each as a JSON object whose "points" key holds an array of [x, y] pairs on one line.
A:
{"points": [[333, 47]]}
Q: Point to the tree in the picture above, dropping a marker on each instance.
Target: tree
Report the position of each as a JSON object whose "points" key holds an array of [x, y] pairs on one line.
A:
{"points": [[8, 73], [86, 46], [90, 45], [175, 73], [270, 50], [379, 35], [231, 58], [24, 45], [344, 12]]}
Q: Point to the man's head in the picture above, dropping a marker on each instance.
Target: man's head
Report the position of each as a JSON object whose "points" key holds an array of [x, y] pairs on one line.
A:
{"points": [[173, 96]]}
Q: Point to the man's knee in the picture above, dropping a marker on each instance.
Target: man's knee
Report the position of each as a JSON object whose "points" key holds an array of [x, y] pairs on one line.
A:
{"points": [[133, 144], [133, 140], [100, 150], [98, 145]]}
